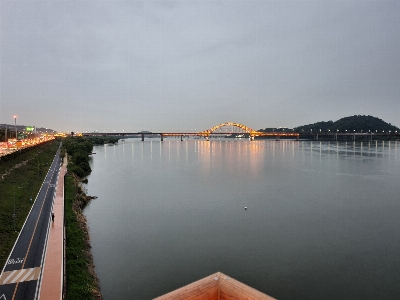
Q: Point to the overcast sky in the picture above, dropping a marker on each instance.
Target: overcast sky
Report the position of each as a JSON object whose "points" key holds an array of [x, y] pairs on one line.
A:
{"points": [[177, 65]]}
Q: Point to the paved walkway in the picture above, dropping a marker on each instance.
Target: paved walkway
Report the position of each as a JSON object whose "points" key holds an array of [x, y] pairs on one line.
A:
{"points": [[53, 267]]}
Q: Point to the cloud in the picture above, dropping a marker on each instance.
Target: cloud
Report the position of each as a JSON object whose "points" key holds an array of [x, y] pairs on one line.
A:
{"points": [[284, 62]]}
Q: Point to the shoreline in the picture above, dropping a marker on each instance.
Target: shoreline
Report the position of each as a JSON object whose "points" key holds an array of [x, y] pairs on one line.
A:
{"points": [[79, 202], [78, 207]]}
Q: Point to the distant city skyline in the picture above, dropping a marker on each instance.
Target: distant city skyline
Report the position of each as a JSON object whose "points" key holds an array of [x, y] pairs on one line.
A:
{"points": [[176, 65]]}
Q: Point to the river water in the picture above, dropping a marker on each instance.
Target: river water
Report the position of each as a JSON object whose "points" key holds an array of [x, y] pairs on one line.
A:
{"points": [[322, 218]]}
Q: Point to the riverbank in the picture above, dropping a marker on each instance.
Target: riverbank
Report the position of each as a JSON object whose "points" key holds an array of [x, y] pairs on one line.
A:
{"points": [[81, 279]]}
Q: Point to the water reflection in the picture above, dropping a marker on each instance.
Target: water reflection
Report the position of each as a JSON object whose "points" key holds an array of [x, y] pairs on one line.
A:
{"points": [[320, 214]]}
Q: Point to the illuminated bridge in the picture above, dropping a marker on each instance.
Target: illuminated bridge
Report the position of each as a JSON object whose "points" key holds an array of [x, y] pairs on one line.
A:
{"points": [[235, 130]]}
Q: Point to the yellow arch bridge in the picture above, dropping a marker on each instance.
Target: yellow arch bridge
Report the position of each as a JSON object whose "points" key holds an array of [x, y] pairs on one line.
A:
{"points": [[216, 130]]}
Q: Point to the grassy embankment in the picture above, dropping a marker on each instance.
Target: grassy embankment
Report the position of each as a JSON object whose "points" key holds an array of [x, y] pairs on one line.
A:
{"points": [[21, 176], [81, 279]]}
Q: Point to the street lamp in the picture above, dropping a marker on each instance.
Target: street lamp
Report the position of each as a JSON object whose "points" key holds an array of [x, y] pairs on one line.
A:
{"points": [[15, 123], [19, 187], [14, 211]]}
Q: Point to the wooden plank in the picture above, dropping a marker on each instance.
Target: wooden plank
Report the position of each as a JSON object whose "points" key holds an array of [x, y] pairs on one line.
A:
{"points": [[203, 289], [217, 286], [232, 289]]}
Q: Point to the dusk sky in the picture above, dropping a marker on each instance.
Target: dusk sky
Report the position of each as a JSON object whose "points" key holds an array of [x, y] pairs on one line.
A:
{"points": [[177, 65]]}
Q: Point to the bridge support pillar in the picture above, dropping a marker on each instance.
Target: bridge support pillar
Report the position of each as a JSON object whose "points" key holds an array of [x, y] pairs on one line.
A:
{"points": [[162, 137], [277, 138], [251, 138], [316, 137], [297, 138], [181, 138], [142, 137]]}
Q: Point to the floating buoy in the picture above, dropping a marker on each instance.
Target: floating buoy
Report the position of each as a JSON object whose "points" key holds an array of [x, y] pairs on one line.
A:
{"points": [[245, 208]]}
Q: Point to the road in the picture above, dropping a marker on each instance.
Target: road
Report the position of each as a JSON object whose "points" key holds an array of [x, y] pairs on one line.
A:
{"points": [[21, 275]]}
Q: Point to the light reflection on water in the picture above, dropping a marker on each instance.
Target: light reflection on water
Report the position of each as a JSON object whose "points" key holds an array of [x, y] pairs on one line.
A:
{"points": [[322, 221]]}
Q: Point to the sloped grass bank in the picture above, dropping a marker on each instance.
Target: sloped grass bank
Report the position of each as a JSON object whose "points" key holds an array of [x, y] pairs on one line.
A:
{"points": [[81, 279]]}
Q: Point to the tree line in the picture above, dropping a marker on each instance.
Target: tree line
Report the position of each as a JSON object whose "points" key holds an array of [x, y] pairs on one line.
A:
{"points": [[356, 123], [79, 149]]}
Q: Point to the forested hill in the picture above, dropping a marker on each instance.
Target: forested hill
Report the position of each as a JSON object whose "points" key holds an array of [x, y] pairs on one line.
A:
{"points": [[355, 123]]}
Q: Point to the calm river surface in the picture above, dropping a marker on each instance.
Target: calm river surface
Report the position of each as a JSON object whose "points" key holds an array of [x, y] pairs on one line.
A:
{"points": [[323, 218]]}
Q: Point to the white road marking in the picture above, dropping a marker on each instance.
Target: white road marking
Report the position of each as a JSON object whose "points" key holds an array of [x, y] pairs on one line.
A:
{"points": [[20, 276]]}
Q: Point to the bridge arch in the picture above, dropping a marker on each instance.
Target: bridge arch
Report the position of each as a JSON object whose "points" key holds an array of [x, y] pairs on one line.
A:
{"points": [[248, 130]]}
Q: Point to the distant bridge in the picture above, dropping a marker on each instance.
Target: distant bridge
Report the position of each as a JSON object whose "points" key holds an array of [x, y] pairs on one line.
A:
{"points": [[216, 130], [250, 133]]}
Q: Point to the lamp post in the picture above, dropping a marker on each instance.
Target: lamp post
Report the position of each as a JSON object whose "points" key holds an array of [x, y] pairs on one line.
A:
{"points": [[14, 215], [14, 211], [15, 124], [38, 165]]}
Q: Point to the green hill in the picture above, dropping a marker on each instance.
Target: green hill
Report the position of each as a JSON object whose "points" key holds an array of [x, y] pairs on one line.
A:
{"points": [[355, 123]]}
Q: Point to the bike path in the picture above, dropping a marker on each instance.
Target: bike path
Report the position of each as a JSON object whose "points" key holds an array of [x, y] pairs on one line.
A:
{"points": [[51, 286]]}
